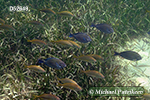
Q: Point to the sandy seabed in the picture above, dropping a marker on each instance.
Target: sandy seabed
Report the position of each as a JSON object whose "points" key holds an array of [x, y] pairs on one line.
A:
{"points": [[136, 71]]}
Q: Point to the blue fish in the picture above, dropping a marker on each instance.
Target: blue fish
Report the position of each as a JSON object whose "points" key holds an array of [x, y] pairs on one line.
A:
{"points": [[53, 63], [148, 32], [103, 28], [130, 55], [81, 37]]}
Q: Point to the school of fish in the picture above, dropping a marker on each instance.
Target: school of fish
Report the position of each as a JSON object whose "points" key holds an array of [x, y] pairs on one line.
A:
{"points": [[56, 63]]}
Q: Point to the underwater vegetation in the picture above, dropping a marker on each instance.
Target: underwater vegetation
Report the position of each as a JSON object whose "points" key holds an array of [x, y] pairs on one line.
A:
{"points": [[53, 41], [136, 70]]}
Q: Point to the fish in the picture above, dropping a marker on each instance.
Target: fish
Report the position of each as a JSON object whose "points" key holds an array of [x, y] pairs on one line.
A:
{"points": [[53, 63], [130, 55], [36, 68], [31, 5], [81, 37], [97, 57], [143, 66], [2, 21], [63, 42], [66, 80], [67, 43], [147, 11], [93, 73], [7, 27], [36, 23], [47, 97], [146, 96], [148, 32], [47, 10], [85, 58], [104, 28], [75, 44], [71, 86], [36, 41], [65, 13]]}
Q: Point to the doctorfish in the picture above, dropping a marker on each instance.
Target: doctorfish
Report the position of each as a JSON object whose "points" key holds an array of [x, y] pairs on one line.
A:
{"points": [[130, 55], [85, 58], [36, 68], [53, 63], [81, 37], [67, 43], [66, 80], [65, 13], [36, 41], [146, 96], [7, 27], [47, 97], [71, 86], [103, 28], [2, 21], [75, 44], [36, 23], [97, 57], [93, 73], [47, 10]]}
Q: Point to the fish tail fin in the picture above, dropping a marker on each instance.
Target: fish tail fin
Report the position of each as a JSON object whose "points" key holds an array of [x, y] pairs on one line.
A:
{"points": [[71, 35], [93, 25], [40, 61], [25, 66], [35, 96], [39, 9], [74, 56], [81, 71], [57, 12], [147, 11], [57, 78], [116, 53], [2, 24], [59, 84], [53, 42], [28, 40]]}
